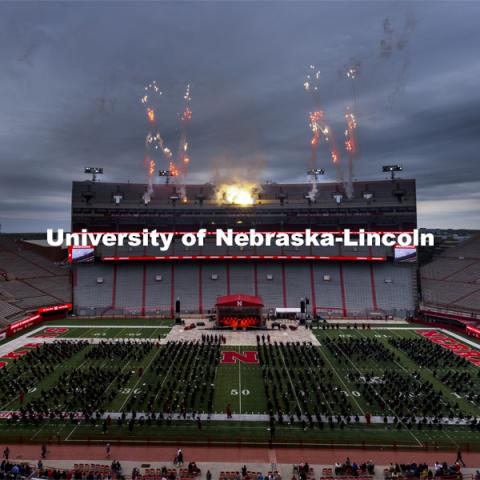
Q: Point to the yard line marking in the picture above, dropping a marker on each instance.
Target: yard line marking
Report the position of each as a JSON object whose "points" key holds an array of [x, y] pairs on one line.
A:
{"points": [[383, 400], [291, 383], [166, 374], [341, 380], [240, 381], [140, 378]]}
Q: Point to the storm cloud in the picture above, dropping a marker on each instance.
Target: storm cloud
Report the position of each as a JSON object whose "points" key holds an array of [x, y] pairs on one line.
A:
{"points": [[72, 75]]}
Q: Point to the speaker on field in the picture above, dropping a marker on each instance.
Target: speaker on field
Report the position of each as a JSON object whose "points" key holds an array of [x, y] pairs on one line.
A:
{"points": [[177, 306]]}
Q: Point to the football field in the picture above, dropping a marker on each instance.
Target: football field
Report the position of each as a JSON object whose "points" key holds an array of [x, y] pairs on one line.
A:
{"points": [[125, 381]]}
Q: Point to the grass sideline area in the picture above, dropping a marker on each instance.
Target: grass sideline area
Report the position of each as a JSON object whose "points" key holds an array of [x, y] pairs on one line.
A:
{"points": [[194, 378]]}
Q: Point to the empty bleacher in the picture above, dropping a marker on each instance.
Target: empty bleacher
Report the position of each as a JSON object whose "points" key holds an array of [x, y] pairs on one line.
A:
{"points": [[328, 289], [358, 288], [129, 287], [93, 288], [29, 281], [394, 288], [452, 280], [298, 284], [242, 277], [339, 288], [158, 287], [187, 285], [214, 283], [270, 285]]}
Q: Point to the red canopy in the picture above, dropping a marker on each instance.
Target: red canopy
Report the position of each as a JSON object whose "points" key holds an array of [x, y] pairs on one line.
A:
{"points": [[239, 300]]}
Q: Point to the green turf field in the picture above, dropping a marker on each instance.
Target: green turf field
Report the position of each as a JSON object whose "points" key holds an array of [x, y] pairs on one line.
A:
{"points": [[103, 332], [339, 377]]}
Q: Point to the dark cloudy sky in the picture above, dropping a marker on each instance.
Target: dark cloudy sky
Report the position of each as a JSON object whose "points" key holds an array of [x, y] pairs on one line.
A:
{"points": [[71, 75]]}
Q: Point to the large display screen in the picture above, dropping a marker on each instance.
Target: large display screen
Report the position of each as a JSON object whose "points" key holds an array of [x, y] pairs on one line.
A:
{"points": [[405, 254], [81, 254]]}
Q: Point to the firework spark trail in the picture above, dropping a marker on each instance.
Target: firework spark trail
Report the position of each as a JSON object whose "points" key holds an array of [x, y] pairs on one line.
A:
{"points": [[352, 72], [154, 144], [320, 130], [351, 148], [183, 157]]}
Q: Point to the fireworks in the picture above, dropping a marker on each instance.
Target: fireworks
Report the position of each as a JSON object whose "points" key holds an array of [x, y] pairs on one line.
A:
{"points": [[352, 71], [240, 194], [154, 143], [350, 141], [312, 79], [151, 167], [151, 115], [317, 119], [185, 117]]}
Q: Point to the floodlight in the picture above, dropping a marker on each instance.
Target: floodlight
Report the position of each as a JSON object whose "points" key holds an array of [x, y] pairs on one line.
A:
{"points": [[392, 169], [94, 171]]}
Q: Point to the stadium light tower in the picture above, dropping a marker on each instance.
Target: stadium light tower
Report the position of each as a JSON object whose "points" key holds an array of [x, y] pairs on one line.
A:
{"points": [[316, 172], [94, 171], [392, 169], [165, 173]]}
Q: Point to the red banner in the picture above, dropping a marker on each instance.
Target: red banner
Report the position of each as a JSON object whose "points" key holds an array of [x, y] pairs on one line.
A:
{"points": [[28, 322], [458, 348]]}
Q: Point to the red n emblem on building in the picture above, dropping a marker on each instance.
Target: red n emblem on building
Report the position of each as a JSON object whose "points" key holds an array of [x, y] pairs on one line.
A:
{"points": [[230, 356]]}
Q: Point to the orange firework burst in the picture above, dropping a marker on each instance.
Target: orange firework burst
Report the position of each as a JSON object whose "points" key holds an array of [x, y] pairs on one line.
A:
{"points": [[151, 168], [350, 141], [151, 115], [173, 170]]}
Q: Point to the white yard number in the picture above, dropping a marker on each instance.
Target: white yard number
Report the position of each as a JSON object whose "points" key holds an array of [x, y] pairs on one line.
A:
{"points": [[234, 392], [354, 393], [128, 391]]}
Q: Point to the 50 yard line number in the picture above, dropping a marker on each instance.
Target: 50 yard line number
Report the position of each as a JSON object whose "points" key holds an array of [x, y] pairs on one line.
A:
{"points": [[234, 392]]}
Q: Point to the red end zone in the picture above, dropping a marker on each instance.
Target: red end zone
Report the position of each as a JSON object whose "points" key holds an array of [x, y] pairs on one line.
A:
{"points": [[458, 348]]}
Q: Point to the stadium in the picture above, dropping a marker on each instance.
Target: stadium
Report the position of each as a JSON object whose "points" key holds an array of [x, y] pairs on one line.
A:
{"points": [[249, 332], [236, 345]]}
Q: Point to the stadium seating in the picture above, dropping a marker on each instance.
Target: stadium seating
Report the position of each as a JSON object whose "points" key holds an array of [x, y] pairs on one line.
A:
{"points": [[452, 280], [158, 287], [187, 286], [214, 283], [93, 297], [269, 284], [297, 282], [29, 281], [395, 288], [334, 288], [328, 288], [129, 287], [242, 277]]}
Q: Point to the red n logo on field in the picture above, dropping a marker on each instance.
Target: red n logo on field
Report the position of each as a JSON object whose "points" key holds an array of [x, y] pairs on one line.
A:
{"points": [[230, 356]]}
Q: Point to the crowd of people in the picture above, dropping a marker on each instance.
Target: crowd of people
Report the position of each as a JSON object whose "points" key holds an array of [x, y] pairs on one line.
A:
{"points": [[450, 369], [26, 371], [88, 389], [180, 382], [13, 470], [351, 468], [423, 470], [391, 391], [299, 386], [112, 473], [428, 354], [358, 349]]}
